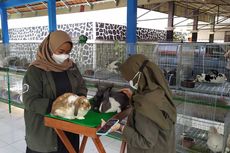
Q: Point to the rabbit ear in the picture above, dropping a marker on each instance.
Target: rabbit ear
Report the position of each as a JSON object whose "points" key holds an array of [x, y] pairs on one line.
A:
{"points": [[77, 106], [106, 94], [108, 87], [104, 101]]}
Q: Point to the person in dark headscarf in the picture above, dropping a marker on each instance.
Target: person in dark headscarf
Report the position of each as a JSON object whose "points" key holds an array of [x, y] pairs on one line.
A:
{"points": [[52, 74], [151, 124]]}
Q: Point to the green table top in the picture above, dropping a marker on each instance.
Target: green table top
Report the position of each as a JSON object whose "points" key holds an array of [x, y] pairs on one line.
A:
{"points": [[92, 118]]}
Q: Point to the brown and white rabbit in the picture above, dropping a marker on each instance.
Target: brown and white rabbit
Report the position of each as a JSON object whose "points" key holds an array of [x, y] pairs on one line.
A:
{"points": [[70, 106]]}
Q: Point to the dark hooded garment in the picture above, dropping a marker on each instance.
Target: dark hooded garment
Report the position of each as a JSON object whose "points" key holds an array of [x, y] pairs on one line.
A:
{"points": [[43, 82], [151, 124]]}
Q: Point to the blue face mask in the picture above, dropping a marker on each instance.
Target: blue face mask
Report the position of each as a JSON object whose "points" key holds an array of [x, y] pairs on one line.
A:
{"points": [[132, 85]]}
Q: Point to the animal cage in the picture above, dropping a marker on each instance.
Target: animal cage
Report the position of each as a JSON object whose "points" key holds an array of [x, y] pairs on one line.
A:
{"points": [[196, 114], [200, 104], [3, 85], [11, 86], [108, 59]]}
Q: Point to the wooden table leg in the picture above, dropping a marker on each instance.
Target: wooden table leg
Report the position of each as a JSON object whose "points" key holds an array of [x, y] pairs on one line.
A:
{"points": [[99, 145], [123, 145], [65, 140], [83, 143]]}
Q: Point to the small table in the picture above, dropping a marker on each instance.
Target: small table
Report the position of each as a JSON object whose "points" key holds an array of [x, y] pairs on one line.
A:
{"points": [[82, 127]]}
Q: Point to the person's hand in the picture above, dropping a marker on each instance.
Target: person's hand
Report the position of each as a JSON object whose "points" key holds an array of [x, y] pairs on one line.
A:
{"points": [[116, 127], [102, 122]]}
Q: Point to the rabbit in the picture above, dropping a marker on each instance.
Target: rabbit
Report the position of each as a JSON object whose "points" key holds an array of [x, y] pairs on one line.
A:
{"points": [[170, 76], [106, 100], [227, 149], [220, 78], [98, 97], [215, 140], [70, 106], [113, 66]]}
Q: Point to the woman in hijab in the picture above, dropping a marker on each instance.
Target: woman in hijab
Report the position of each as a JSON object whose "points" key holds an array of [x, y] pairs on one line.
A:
{"points": [[150, 127], [49, 76]]}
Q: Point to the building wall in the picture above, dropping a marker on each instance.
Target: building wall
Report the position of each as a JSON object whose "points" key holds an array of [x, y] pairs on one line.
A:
{"points": [[103, 31], [203, 36], [106, 31], [38, 33]]}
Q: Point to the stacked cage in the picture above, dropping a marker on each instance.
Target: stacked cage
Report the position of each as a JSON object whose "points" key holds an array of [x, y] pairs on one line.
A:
{"points": [[199, 80], [3, 85], [190, 69], [168, 61], [108, 59]]}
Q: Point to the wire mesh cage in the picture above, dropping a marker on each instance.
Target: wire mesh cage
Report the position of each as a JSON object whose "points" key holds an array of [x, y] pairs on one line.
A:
{"points": [[108, 59], [204, 91], [200, 104], [209, 58], [3, 85], [168, 60], [196, 115], [15, 87], [18, 55]]}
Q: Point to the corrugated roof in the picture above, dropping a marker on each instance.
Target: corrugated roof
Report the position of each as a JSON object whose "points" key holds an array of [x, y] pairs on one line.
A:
{"points": [[183, 8]]}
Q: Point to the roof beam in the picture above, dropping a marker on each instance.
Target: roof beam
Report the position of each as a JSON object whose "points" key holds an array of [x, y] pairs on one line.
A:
{"points": [[151, 9], [116, 2], [30, 8], [13, 3], [220, 21], [90, 5], [16, 10], [87, 2], [66, 5], [191, 15], [226, 3], [44, 4]]}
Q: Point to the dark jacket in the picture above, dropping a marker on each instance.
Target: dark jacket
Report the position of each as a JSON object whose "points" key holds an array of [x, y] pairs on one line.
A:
{"points": [[38, 94], [144, 136]]}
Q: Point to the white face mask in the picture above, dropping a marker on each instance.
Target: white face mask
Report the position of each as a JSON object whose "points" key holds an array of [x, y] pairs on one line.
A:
{"points": [[135, 86], [60, 58]]}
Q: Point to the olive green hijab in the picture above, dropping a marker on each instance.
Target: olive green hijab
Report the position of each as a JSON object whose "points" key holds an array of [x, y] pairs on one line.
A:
{"points": [[44, 54], [153, 95]]}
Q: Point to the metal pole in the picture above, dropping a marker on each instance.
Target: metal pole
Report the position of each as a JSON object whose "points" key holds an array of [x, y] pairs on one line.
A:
{"points": [[8, 88], [52, 15], [131, 37], [5, 33]]}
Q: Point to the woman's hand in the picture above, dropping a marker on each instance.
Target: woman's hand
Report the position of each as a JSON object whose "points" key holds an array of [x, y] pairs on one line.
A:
{"points": [[116, 127]]}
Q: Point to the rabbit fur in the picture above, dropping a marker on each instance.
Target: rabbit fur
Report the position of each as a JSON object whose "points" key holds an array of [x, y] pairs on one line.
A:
{"points": [[107, 100], [215, 140], [70, 106], [213, 77]]}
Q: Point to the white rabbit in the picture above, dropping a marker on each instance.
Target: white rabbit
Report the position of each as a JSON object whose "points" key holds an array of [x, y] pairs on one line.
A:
{"points": [[227, 149], [113, 66], [215, 140]]}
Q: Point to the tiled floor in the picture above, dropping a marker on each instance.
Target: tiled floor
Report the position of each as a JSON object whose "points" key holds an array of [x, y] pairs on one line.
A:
{"points": [[12, 134]]}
